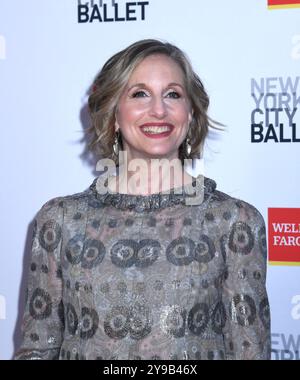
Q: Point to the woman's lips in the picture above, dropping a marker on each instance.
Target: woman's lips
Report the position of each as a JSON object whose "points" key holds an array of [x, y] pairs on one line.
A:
{"points": [[157, 130]]}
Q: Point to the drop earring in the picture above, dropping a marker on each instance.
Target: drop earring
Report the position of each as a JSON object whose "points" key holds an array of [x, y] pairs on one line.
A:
{"points": [[116, 143], [188, 146]]}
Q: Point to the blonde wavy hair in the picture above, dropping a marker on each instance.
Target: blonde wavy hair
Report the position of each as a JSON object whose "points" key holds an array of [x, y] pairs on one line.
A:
{"points": [[110, 83]]}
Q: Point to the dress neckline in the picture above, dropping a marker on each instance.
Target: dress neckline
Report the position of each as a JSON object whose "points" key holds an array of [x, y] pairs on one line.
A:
{"points": [[193, 193]]}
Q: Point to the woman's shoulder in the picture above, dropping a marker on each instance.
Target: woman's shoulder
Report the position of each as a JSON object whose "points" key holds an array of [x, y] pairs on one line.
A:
{"points": [[231, 205], [62, 203]]}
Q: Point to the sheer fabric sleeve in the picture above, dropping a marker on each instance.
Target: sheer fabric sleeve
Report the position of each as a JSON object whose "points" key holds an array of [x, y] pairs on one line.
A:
{"points": [[43, 321], [247, 327]]}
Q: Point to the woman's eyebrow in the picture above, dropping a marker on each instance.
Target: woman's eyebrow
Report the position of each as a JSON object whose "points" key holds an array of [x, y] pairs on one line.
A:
{"points": [[144, 85], [137, 85], [175, 84]]}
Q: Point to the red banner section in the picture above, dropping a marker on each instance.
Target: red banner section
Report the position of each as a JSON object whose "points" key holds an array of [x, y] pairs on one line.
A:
{"points": [[283, 4], [284, 236]]}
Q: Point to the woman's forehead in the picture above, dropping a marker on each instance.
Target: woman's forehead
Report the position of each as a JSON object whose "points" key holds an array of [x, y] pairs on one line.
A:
{"points": [[157, 66]]}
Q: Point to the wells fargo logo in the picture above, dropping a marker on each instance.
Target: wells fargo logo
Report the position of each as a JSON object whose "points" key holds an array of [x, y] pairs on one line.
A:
{"points": [[284, 236], [279, 4]]}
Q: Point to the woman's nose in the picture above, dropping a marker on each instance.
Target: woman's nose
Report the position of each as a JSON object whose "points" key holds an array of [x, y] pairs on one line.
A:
{"points": [[158, 107]]}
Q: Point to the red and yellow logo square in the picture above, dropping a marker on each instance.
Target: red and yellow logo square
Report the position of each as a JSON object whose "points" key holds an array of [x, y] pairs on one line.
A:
{"points": [[277, 4], [284, 236]]}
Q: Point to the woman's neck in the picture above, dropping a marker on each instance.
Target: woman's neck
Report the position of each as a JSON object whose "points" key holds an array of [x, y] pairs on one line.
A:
{"points": [[149, 177]]}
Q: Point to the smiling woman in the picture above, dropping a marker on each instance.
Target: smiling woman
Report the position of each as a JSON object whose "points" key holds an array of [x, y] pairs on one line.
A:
{"points": [[131, 273], [148, 102]]}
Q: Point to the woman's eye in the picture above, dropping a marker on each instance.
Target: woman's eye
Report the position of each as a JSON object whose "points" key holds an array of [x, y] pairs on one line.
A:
{"points": [[173, 95], [139, 94]]}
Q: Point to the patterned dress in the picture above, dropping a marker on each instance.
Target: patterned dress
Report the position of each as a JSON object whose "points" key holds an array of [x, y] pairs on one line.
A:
{"points": [[178, 275]]}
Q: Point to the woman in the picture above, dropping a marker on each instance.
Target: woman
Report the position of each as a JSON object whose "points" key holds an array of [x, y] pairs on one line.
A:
{"points": [[150, 263]]}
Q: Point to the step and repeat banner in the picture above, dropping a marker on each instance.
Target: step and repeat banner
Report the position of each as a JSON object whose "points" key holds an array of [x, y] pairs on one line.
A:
{"points": [[248, 56]]}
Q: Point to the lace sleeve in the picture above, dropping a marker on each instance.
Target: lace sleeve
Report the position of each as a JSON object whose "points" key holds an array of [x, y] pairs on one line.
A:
{"points": [[42, 325], [247, 328]]}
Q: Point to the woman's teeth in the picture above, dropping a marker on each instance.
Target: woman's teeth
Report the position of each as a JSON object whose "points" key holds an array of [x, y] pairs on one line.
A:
{"points": [[156, 129]]}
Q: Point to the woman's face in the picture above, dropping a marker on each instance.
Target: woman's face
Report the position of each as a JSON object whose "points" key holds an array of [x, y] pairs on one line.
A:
{"points": [[154, 111]]}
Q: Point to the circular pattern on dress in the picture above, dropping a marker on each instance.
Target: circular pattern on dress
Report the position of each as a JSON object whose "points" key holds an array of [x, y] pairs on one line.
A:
{"points": [[147, 253], [243, 309], [40, 306], [262, 241], [156, 289], [93, 253], [74, 249], [205, 250], [180, 251], [198, 318], [116, 322], [72, 319], [50, 235], [90, 323], [173, 320], [264, 312], [139, 321], [218, 318], [241, 239], [123, 253]]}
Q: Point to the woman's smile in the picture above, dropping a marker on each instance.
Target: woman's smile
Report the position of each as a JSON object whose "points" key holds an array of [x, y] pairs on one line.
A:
{"points": [[157, 130]]}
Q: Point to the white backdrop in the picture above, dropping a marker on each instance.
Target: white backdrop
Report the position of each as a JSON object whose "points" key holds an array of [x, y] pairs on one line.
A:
{"points": [[47, 63]]}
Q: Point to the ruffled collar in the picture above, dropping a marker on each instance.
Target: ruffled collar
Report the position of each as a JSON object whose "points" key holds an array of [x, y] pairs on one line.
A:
{"points": [[192, 194]]}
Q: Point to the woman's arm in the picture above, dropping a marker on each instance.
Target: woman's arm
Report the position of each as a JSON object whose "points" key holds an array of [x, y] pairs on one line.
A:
{"points": [[247, 328], [43, 320]]}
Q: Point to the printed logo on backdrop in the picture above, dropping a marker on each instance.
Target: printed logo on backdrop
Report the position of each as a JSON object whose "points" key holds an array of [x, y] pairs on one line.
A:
{"points": [[111, 11], [2, 48], [276, 110], [2, 307], [281, 4], [285, 346], [284, 236]]}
